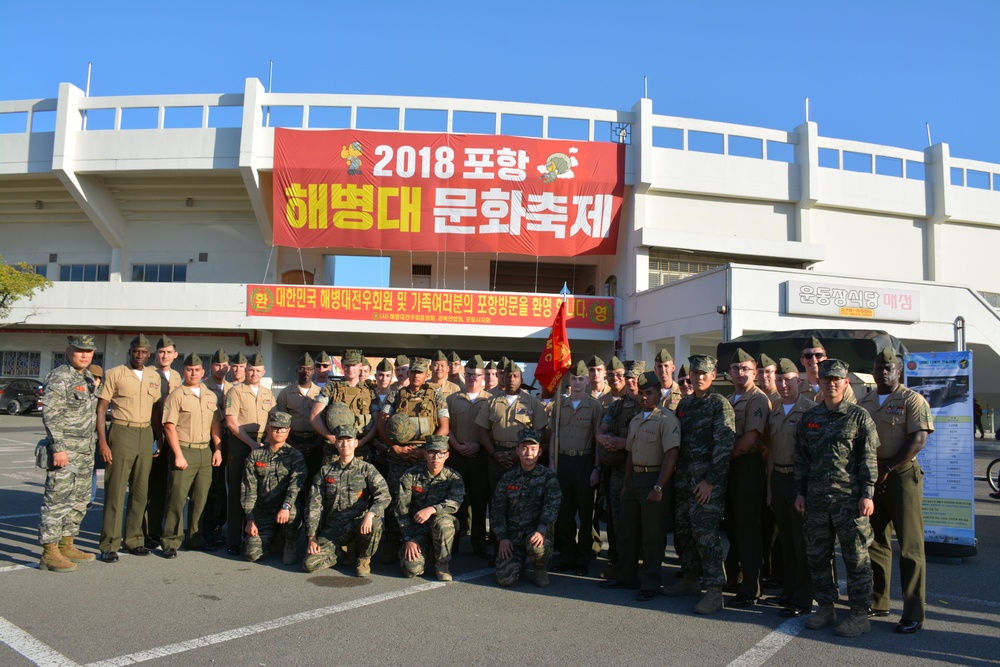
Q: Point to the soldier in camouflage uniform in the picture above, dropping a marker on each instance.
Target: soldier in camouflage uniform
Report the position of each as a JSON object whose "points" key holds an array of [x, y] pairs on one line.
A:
{"points": [[70, 419], [272, 479], [611, 440], [346, 499], [708, 431], [383, 393], [525, 505], [429, 496], [357, 396], [835, 473]]}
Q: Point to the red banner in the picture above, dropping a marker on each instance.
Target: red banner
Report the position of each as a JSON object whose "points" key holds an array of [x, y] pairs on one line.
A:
{"points": [[429, 306], [446, 192], [556, 358]]}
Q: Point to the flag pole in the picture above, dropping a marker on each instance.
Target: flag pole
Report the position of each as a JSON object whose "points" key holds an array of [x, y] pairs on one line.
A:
{"points": [[554, 453]]}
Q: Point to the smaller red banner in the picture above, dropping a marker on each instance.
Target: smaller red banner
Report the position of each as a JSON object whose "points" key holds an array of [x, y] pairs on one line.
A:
{"points": [[556, 358]]}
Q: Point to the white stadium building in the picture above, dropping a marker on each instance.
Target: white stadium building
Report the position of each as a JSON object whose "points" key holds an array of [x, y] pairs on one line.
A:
{"points": [[154, 214]]}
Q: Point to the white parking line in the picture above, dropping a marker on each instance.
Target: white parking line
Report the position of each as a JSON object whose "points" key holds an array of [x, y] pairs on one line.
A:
{"points": [[32, 649], [773, 642], [15, 568], [17, 516]]}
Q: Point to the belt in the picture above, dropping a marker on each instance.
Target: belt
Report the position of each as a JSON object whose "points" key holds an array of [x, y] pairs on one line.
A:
{"points": [[304, 434], [646, 468], [588, 452], [784, 469], [505, 444], [122, 422], [194, 445]]}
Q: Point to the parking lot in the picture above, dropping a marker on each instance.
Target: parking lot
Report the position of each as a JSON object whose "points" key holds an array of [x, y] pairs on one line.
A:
{"points": [[210, 608]]}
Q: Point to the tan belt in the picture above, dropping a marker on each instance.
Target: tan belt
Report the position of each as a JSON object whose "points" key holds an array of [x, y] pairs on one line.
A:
{"points": [[122, 422], [784, 469], [588, 452], [646, 468], [194, 445]]}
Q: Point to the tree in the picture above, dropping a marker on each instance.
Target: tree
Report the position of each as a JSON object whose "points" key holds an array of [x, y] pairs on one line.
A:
{"points": [[18, 281]]}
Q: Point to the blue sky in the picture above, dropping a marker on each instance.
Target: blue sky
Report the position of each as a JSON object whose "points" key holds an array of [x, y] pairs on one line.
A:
{"points": [[873, 70]]}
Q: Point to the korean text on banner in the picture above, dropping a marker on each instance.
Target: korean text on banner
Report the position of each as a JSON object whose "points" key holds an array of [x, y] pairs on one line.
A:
{"points": [[556, 358], [446, 192]]}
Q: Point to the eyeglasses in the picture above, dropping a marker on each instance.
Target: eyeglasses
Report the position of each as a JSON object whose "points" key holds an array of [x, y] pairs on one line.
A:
{"points": [[810, 355], [741, 369], [620, 375], [437, 455], [280, 429], [322, 365]]}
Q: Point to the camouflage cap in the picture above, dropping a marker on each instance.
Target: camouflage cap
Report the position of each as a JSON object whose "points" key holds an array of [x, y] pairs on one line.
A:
{"points": [[279, 420], [763, 361], [579, 368], [595, 361], [419, 365], [705, 363], [682, 372], [833, 368], [345, 431], [350, 357], [740, 356], [402, 360], [634, 369], [491, 365], [649, 380], [812, 342], [306, 360], [139, 341], [256, 360], [220, 357], [616, 364], [475, 363], [165, 341], [81, 341], [439, 356], [323, 358], [786, 366], [529, 435], [384, 366], [453, 358], [240, 359], [436, 443], [887, 356], [663, 356], [192, 360], [96, 370]]}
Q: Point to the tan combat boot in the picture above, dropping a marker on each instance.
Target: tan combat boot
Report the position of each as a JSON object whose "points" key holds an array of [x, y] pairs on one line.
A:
{"points": [[686, 586], [53, 560], [541, 577], [364, 567], [290, 554], [443, 573], [711, 603], [855, 625], [67, 549], [824, 616]]}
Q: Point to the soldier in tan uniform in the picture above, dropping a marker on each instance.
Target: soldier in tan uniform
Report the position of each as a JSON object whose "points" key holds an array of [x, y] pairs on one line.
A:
{"points": [[684, 381], [456, 372], [796, 594], [492, 383], [238, 368], [298, 400], [577, 470], [670, 393], [402, 371], [159, 470], [812, 354], [903, 420], [133, 392], [192, 430], [771, 565], [767, 371], [247, 407], [597, 373], [439, 375], [324, 365], [468, 457], [214, 516]]}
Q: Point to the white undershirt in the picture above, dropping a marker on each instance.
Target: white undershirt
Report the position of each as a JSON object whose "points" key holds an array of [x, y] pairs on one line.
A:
{"points": [[196, 391], [787, 407], [473, 397], [737, 397], [645, 415], [254, 390], [881, 398], [304, 390], [575, 404], [138, 374], [510, 399]]}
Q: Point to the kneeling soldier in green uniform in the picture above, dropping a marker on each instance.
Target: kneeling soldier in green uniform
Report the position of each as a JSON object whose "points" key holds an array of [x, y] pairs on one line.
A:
{"points": [[345, 500], [272, 478], [429, 496]]}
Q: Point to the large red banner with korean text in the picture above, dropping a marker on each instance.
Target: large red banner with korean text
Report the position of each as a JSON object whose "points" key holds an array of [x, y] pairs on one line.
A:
{"points": [[446, 192], [427, 306]]}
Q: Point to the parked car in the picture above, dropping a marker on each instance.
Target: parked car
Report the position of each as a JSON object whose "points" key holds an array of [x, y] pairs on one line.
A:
{"points": [[20, 395]]}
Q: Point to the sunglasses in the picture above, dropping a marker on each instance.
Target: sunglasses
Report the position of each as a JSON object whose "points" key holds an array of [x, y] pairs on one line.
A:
{"points": [[684, 381], [810, 355]]}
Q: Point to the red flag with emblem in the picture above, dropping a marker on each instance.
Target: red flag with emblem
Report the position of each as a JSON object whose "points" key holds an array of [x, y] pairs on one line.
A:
{"points": [[556, 358]]}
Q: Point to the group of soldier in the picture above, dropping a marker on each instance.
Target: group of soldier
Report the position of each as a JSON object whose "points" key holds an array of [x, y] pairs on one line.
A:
{"points": [[418, 452]]}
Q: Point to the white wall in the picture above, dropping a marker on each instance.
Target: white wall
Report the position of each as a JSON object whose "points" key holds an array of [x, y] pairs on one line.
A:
{"points": [[969, 256], [870, 245], [719, 217]]}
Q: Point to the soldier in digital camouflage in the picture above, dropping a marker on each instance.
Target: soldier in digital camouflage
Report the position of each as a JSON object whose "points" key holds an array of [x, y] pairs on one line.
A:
{"points": [[429, 496], [525, 506], [346, 499], [273, 477], [70, 420], [835, 473]]}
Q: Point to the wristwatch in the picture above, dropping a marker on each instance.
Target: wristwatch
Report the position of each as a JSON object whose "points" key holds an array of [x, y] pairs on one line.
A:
{"points": [[657, 488], [286, 506]]}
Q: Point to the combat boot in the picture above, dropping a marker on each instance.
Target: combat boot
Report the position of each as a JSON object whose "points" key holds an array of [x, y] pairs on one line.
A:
{"points": [[67, 549], [855, 625], [687, 586], [364, 567], [824, 616], [290, 555], [711, 602], [53, 560], [443, 573], [541, 577]]}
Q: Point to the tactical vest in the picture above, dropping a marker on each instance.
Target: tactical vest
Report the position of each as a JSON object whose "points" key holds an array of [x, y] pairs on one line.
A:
{"points": [[422, 410], [621, 415], [358, 400]]}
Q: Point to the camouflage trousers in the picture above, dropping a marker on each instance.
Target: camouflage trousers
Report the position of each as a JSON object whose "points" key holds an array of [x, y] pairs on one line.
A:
{"points": [[612, 483], [697, 533], [334, 537], [509, 569], [397, 467], [67, 492], [438, 537], [267, 529], [828, 520]]}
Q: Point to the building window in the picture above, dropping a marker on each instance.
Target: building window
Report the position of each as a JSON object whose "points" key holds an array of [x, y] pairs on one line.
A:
{"points": [[59, 359], [84, 273], [669, 266], [20, 364], [992, 298], [159, 273], [40, 269]]}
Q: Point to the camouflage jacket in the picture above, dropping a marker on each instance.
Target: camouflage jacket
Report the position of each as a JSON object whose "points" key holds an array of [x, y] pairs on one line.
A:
{"points": [[341, 494], [835, 453], [359, 399], [418, 489], [708, 433], [272, 478], [70, 414], [524, 501]]}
